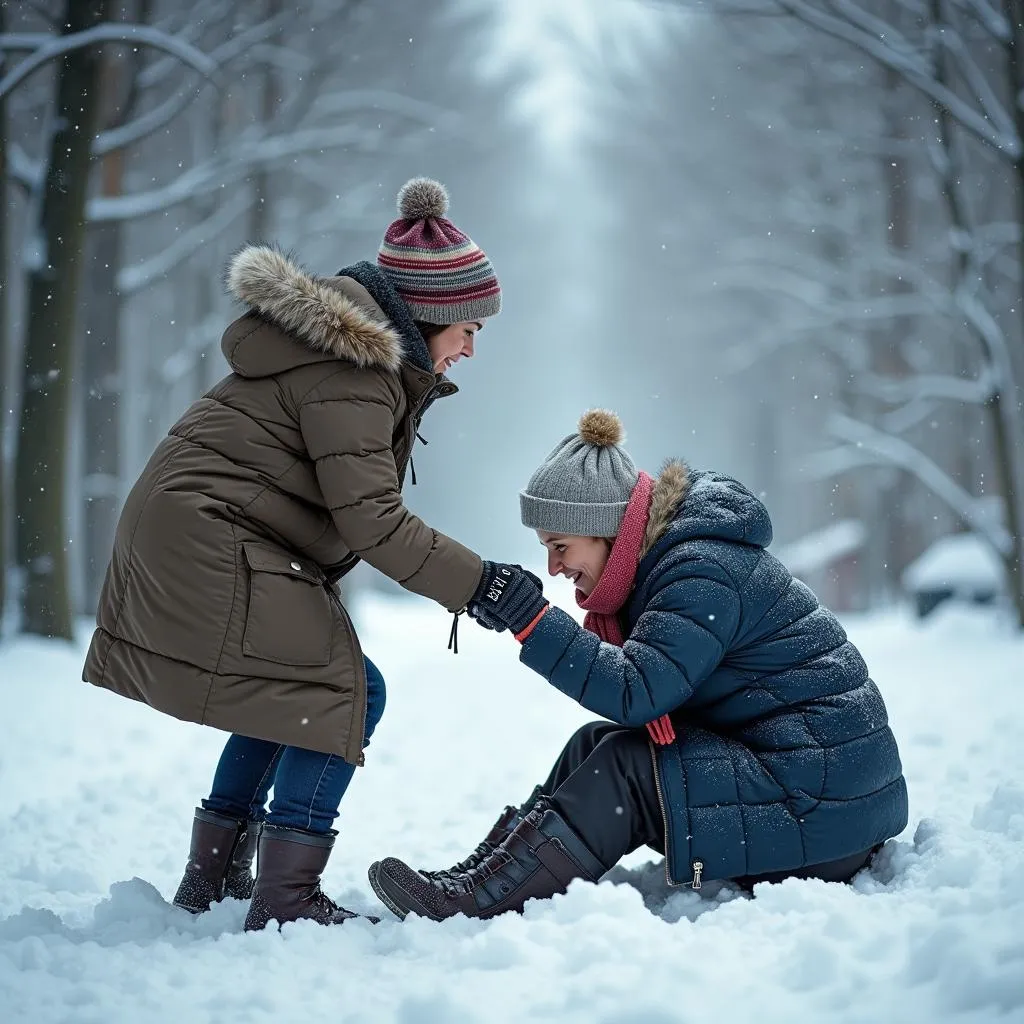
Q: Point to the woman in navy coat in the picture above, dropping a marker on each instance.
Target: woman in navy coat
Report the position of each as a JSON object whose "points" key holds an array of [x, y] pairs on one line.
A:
{"points": [[741, 736]]}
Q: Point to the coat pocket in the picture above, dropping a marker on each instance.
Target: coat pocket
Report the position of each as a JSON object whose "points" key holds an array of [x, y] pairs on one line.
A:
{"points": [[288, 620]]}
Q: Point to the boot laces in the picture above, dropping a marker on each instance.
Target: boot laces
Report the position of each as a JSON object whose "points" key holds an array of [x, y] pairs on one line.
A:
{"points": [[459, 885], [479, 854]]}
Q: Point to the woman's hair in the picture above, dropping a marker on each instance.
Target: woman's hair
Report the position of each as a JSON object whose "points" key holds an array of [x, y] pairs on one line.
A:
{"points": [[429, 330]]}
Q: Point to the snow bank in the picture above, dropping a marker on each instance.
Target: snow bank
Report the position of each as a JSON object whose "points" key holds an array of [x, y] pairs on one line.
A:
{"points": [[98, 790]]}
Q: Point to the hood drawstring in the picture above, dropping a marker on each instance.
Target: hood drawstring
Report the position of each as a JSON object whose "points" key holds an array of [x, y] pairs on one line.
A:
{"points": [[453, 636], [412, 464]]}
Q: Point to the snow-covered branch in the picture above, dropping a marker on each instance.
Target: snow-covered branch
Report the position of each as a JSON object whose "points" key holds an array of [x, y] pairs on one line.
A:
{"points": [[919, 387], [23, 42], [21, 168], [57, 46], [143, 126], [848, 348], [133, 279], [904, 418], [895, 451], [246, 155], [892, 51], [977, 82], [828, 463], [161, 115], [992, 20], [213, 12], [349, 100]]}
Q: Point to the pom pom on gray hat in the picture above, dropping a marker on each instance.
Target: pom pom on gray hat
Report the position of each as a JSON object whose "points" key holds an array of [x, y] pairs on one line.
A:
{"points": [[602, 428], [584, 485]]}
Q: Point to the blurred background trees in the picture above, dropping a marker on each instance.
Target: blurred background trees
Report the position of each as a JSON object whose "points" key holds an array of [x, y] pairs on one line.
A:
{"points": [[782, 238]]}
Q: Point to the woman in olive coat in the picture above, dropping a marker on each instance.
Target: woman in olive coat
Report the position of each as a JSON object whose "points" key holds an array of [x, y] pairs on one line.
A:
{"points": [[219, 605]]}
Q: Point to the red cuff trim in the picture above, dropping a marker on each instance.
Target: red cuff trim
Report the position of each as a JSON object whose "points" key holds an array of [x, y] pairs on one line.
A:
{"points": [[530, 628]]}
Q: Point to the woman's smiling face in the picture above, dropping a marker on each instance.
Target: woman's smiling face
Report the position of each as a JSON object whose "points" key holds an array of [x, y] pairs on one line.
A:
{"points": [[451, 344], [579, 559]]}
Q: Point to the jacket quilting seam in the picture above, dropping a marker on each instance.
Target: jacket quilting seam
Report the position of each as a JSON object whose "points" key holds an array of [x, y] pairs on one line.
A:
{"points": [[252, 330], [354, 455], [130, 568], [361, 499], [419, 568], [231, 610], [380, 371]]}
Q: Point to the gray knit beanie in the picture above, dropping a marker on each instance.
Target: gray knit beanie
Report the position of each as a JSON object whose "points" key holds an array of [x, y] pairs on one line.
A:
{"points": [[584, 485]]}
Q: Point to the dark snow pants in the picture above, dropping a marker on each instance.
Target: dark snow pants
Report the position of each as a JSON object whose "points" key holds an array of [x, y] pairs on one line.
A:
{"points": [[603, 785]]}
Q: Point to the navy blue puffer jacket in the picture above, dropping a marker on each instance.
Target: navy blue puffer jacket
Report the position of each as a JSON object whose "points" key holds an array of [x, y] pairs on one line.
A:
{"points": [[783, 755]]}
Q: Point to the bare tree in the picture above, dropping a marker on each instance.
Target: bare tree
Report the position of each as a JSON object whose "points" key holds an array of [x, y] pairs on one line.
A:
{"points": [[99, 324], [934, 48], [40, 464], [953, 67], [5, 277], [41, 460]]}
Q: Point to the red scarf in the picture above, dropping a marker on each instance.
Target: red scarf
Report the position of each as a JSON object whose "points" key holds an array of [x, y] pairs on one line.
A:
{"points": [[616, 584]]}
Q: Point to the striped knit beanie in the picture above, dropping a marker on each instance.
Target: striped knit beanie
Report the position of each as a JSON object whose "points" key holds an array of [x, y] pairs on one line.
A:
{"points": [[440, 273]]}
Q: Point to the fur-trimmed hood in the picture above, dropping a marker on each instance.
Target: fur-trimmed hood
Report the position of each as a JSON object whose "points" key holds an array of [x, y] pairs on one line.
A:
{"points": [[670, 488], [317, 318], [686, 505]]}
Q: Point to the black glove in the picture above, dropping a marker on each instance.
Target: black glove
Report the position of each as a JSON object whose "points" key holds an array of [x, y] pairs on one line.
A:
{"points": [[508, 597], [483, 616]]}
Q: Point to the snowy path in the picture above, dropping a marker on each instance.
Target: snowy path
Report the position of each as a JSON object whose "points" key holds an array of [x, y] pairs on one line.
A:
{"points": [[98, 790]]}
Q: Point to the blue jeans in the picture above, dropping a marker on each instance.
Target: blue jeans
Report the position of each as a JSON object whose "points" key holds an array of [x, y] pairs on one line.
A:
{"points": [[308, 785]]}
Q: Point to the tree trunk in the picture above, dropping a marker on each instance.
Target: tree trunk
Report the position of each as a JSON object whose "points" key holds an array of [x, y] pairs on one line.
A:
{"points": [[899, 537], [101, 338], [1001, 407], [259, 217], [101, 412], [41, 463], [1008, 439], [5, 278]]}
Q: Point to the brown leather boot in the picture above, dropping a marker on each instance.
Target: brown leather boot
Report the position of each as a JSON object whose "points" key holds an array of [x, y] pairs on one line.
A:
{"points": [[219, 861], [291, 863], [540, 858], [500, 831]]}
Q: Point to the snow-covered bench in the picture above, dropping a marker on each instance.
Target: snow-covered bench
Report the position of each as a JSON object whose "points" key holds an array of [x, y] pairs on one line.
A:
{"points": [[961, 567]]}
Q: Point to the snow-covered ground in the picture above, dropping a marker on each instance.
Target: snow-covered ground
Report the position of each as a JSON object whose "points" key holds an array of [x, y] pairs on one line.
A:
{"points": [[97, 803]]}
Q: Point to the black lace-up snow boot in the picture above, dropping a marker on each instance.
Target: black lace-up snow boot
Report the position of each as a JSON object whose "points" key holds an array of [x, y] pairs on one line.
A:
{"points": [[539, 858], [500, 831]]}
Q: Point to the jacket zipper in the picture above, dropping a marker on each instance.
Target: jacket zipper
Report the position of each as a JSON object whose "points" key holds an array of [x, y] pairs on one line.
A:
{"points": [[412, 432], [664, 816]]}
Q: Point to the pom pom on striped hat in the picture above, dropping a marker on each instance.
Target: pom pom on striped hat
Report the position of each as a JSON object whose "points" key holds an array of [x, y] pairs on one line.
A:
{"points": [[443, 276]]}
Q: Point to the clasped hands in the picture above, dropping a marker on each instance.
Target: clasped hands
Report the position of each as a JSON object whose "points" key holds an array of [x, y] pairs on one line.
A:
{"points": [[507, 597]]}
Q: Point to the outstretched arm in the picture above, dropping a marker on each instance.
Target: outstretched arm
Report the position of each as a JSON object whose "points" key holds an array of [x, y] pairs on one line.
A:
{"points": [[347, 423], [677, 642]]}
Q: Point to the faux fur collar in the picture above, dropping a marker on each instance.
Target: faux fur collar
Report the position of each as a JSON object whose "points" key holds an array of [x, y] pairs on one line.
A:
{"points": [[670, 489], [315, 310]]}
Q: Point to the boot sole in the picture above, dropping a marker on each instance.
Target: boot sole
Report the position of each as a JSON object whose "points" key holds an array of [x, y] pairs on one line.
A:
{"points": [[382, 894]]}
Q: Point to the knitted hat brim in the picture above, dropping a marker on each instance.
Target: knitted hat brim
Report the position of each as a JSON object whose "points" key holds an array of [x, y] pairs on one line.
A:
{"points": [[443, 313], [589, 519]]}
